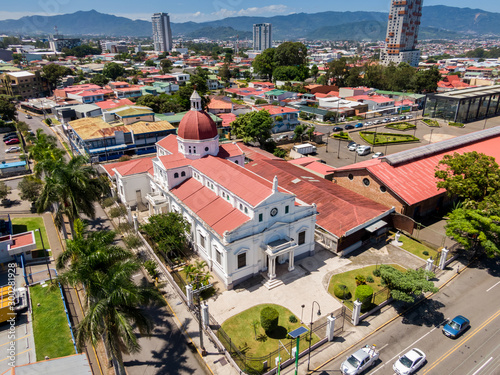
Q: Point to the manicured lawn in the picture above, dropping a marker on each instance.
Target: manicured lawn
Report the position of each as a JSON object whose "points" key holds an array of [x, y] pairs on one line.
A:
{"points": [[50, 326], [457, 124], [342, 135], [383, 138], [347, 279], [417, 248], [431, 123], [401, 126], [239, 328], [24, 224]]}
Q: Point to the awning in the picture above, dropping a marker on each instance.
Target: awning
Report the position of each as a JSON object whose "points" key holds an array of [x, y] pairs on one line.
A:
{"points": [[376, 226], [106, 149]]}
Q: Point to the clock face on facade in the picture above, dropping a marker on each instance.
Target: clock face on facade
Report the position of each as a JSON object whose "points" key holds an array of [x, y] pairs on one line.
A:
{"points": [[274, 211]]}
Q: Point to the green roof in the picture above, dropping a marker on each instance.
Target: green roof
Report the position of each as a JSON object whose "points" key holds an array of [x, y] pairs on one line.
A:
{"points": [[275, 92], [399, 93], [213, 77]]}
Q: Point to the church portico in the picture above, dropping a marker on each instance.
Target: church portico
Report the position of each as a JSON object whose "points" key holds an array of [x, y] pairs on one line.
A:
{"points": [[279, 251]]}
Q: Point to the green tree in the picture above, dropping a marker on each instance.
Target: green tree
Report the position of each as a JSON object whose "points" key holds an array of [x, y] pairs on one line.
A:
{"points": [[263, 64], [99, 79], [310, 132], [298, 132], [53, 73], [471, 176], [253, 126], [7, 109], [405, 286], [426, 80], [290, 54], [168, 231], [314, 72], [166, 66], [113, 70], [225, 73], [30, 188], [4, 190], [150, 63], [339, 71], [45, 153]]}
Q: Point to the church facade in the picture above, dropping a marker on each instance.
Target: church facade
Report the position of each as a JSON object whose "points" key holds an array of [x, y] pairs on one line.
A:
{"points": [[241, 224]]}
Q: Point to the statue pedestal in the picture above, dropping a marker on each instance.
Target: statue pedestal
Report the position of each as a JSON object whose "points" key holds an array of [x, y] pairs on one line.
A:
{"points": [[396, 243]]}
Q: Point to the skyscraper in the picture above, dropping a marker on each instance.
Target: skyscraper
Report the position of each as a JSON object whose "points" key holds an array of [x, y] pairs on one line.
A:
{"points": [[162, 34], [262, 36], [402, 33]]}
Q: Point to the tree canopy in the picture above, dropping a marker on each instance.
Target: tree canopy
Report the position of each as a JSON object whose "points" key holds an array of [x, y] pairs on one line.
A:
{"points": [[99, 79], [53, 73], [253, 126], [405, 286], [113, 70], [290, 54], [168, 231], [7, 109]]}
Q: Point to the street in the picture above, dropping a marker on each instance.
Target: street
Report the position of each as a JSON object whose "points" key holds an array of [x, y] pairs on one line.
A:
{"points": [[474, 294]]}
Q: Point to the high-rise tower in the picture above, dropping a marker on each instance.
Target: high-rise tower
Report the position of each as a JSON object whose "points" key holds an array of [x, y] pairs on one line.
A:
{"points": [[162, 34], [402, 33], [262, 36]]}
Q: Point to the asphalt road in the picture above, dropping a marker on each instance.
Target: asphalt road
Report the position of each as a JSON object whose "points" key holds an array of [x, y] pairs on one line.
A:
{"points": [[474, 294]]}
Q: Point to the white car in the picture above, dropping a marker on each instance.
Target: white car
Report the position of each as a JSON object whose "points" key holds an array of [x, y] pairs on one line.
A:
{"points": [[352, 147], [377, 155], [410, 362], [368, 123], [13, 149]]}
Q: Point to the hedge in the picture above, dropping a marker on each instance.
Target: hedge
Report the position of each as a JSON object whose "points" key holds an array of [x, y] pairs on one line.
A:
{"points": [[457, 124], [341, 291], [386, 138], [365, 294], [431, 123], [269, 319], [401, 126]]}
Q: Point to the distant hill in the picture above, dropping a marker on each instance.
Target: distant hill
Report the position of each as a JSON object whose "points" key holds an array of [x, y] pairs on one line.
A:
{"points": [[437, 22]]}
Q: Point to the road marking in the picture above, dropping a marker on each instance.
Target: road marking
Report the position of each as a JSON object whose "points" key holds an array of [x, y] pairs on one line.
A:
{"points": [[27, 350], [480, 368], [492, 286], [15, 340], [464, 340], [408, 347], [383, 347]]}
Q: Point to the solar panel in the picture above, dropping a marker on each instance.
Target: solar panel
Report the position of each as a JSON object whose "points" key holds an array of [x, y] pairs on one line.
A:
{"points": [[431, 149], [297, 332]]}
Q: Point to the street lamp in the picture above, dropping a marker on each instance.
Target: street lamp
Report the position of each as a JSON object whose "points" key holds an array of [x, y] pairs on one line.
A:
{"points": [[327, 137], [46, 253], [310, 332], [430, 138]]}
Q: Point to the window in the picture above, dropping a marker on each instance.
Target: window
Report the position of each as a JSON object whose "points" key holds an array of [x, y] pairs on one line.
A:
{"points": [[241, 207], [242, 260], [302, 237], [206, 148], [366, 182], [286, 209], [260, 217], [246, 210], [236, 161], [383, 189], [202, 240], [218, 256], [176, 175], [189, 149], [350, 176], [183, 174]]}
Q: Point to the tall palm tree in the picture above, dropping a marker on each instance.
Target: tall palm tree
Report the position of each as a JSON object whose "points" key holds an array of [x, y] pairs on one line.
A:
{"points": [[45, 153], [73, 188]]}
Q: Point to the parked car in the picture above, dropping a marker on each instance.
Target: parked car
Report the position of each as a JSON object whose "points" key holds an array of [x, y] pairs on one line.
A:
{"points": [[10, 135], [377, 155], [347, 127], [13, 149], [386, 120], [337, 129], [359, 125], [28, 116], [402, 117], [368, 123], [409, 116], [12, 141], [352, 147], [363, 150], [456, 326], [359, 361], [410, 362], [282, 137], [394, 119], [376, 122]]}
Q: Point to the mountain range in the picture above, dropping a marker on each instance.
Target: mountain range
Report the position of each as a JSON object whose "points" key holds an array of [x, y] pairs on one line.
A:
{"points": [[437, 22]]}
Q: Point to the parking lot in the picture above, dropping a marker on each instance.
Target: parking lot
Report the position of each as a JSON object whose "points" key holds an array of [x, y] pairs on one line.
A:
{"points": [[5, 156]]}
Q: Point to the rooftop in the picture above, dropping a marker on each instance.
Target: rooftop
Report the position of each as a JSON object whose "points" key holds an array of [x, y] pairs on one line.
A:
{"points": [[470, 92]]}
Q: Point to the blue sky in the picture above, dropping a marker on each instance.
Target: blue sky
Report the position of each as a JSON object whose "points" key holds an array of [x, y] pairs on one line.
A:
{"points": [[202, 10]]}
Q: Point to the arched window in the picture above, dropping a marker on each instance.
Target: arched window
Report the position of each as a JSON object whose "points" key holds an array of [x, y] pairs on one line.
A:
{"points": [[183, 174], [236, 161], [176, 175]]}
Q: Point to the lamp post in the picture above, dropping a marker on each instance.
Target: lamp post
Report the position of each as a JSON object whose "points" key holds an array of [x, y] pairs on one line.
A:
{"points": [[327, 138], [430, 138], [310, 332], [338, 151], [46, 254], [302, 313]]}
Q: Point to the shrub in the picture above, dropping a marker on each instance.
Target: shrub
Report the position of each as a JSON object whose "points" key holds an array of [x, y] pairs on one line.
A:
{"points": [[269, 319], [376, 272], [132, 241], [364, 293], [425, 252], [341, 291], [108, 202], [369, 279], [125, 227], [360, 280], [292, 319], [151, 267]]}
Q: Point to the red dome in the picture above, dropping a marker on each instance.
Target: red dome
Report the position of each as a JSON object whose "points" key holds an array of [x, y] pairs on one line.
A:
{"points": [[197, 125]]}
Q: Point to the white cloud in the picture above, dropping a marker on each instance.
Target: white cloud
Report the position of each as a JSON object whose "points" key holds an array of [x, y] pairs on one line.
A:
{"points": [[267, 11]]}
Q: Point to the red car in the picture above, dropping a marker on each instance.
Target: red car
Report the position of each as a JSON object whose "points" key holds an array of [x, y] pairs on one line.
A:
{"points": [[12, 141]]}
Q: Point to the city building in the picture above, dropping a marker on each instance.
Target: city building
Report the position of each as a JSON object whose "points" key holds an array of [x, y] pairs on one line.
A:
{"points": [[57, 42], [284, 118], [402, 33], [24, 84], [162, 33], [262, 36]]}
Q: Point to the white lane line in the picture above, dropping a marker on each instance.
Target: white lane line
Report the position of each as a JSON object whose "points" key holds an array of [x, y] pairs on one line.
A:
{"points": [[492, 286], [383, 347], [409, 346], [480, 368]]}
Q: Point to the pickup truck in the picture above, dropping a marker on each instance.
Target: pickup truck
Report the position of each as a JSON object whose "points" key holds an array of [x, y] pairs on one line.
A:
{"points": [[359, 361]]}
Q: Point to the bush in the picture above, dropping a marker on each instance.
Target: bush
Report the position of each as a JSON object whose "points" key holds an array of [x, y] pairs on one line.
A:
{"points": [[151, 267], [369, 279], [132, 241], [260, 101], [364, 293], [376, 272], [269, 319], [292, 319], [125, 227], [341, 291], [108, 202], [360, 280], [425, 252]]}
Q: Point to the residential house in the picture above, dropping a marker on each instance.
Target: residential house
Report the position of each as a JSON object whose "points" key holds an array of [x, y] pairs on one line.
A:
{"points": [[275, 95], [284, 118]]}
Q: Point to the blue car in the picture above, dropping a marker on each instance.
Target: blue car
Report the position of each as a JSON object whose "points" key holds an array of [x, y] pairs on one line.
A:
{"points": [[456, 326], [359, 125]]}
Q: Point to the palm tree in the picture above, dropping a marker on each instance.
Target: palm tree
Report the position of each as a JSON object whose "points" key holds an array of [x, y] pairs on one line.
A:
{"points": [[73, 188], [45, 153], [113, 310]]}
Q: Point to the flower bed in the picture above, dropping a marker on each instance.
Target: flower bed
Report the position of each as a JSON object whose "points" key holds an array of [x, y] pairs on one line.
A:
{"points": [[375, 138], [401, 126], [431, 123]]}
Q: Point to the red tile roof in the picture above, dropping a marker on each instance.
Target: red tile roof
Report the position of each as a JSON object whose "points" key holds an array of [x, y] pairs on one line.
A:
{"points": [[227, 118], [22, 239], [340, 209], [220, 104], [113, 103], [220, 215], [143, 165], [174, 161], [227, 150], [169, 143], [414, 181], [255, 153], [276, 110]]}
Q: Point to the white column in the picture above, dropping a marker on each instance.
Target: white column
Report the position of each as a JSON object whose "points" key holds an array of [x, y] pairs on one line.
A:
{"points": [[356, 312], [204, 315], [272, 268], [429, 264], [330, 327], [291, 261], [189, 295], [442, 260]]}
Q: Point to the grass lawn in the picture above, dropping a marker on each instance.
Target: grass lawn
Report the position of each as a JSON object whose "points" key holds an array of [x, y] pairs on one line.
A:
{"points": [[457, 124], [50, 326], [401, 126], [347, 279], [431, 123], [342, 135], [24, 224], [416, 248], [383, 138], [239, 329]]}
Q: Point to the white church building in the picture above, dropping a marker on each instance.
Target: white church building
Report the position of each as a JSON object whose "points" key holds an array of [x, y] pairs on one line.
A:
{"points": [[241, 224]]}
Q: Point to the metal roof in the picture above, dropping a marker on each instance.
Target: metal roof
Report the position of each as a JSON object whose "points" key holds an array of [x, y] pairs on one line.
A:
{"points": [[470, 92], [431, 149]]}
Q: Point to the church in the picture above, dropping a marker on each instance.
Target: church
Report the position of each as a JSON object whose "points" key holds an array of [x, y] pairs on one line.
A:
{"points": [[241, 224]]}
